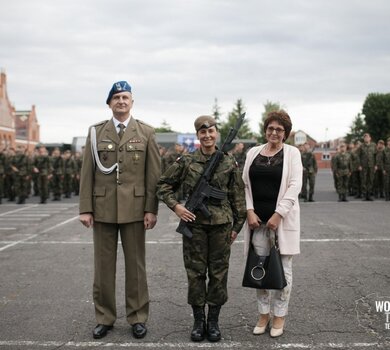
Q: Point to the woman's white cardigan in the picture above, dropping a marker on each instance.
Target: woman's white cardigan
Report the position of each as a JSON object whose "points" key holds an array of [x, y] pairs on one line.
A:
{"points": [[287, 204]]}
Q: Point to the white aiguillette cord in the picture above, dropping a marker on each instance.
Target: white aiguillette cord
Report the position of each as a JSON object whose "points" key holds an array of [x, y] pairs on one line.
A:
{"points": [[96, 159]]}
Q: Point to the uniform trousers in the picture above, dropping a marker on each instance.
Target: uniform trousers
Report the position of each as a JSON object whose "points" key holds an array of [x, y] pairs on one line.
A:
{"points": [[105, 239], [272, 301], [308, 179], [367, 176], [207, 254]]}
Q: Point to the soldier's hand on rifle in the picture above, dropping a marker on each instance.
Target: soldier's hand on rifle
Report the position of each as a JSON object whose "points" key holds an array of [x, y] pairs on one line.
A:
{"points": [[35, 170], [183, 213]]}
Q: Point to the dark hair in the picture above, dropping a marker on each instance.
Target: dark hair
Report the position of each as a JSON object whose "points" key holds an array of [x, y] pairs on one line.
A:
{"points": [[280, 117]]}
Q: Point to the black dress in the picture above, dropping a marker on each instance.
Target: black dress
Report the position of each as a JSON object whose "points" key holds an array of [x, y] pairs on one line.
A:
{"points": [[265, 174]]}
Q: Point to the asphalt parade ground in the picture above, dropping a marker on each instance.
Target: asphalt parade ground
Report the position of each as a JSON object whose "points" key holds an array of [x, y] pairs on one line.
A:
{"points": [[340, 297]]}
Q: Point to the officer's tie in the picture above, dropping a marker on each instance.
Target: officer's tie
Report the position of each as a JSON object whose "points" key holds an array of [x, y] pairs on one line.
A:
{"points": [[121, 130]]}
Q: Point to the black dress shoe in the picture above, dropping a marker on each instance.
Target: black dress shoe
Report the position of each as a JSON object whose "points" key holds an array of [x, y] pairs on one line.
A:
{"points": [[139, 330], [100, 331]]}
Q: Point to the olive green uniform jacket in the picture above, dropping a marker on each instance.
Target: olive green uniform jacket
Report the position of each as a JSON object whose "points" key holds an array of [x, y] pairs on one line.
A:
{"points": [[126, 198]]}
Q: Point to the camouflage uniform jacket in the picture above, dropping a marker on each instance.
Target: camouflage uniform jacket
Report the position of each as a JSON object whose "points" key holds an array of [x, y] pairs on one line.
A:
{"points": [[70, 166], [366, 153], [57, 164], [21, 162], [188, 169], [354, 160], [386, 159], [380, 159], [3, 163], [42, 163], [309, 162], [342, 164]]}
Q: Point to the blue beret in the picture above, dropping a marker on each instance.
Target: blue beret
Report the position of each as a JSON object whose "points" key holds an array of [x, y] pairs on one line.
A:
{"points": [[117, 87]]}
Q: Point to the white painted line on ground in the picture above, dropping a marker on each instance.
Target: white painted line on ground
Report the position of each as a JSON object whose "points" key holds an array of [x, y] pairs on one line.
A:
{"points": [[220, 345], [18, 210], [37, 234], [7, 228], [60, 224], [15, 217], [27, 215]]}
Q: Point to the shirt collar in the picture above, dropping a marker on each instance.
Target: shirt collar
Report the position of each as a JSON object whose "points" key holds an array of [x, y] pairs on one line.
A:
{"points": [[117, 122]]}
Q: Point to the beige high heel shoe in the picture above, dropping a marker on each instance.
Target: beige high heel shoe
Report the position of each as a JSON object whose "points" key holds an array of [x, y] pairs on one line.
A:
{"points": [[262, 324], [277, 326]]}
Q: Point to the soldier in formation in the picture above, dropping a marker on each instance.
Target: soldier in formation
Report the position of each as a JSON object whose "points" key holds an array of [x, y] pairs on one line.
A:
{"points": [[379, 184], [309, 173], [386, 170], [342, 169], [70, 169], [20, 167], [366, 154], [42, 169]]}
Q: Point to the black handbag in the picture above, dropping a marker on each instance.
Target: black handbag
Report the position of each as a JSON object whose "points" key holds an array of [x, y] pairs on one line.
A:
{"points": [[264, 272]]}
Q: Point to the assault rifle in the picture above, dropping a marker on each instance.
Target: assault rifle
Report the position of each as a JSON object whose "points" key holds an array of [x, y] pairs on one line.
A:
{"points": [[202, 189]]}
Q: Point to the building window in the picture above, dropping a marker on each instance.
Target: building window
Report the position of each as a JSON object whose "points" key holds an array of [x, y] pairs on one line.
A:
{"points": [[325, 156]]}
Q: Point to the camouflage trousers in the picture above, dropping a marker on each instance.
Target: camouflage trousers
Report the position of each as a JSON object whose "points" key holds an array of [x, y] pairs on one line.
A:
{"points": [[342, 184], [56, 184], [367, 177], [43, 186], [2, 177], [21, 186], [308, 179], [355, 182], [68, 184], [379, 183], [387, 184], [206, 255]]}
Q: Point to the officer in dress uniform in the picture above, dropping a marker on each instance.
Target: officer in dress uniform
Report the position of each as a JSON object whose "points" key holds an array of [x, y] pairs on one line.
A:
{"points": [[207, 253], [121, 168]]}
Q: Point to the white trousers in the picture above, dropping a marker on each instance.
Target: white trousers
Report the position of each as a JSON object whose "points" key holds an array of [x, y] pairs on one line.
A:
{"points": [[272, 301]]}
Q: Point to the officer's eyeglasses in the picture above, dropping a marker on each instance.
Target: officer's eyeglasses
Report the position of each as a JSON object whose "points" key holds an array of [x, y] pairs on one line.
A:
{"points": [[271, 130]]}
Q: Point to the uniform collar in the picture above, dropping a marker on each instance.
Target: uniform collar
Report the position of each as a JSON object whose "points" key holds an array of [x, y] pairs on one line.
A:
{"points": [[117, 122]]}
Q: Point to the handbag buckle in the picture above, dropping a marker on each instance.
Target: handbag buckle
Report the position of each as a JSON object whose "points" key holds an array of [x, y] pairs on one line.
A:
{"points": [[258, 273]]}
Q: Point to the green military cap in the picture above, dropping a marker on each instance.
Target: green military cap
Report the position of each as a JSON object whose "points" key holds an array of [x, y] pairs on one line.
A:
{"points": [[204, 122]]}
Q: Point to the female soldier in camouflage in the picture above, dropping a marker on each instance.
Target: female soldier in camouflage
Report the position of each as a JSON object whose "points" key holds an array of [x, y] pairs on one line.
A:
{"points": [[207, 253]]}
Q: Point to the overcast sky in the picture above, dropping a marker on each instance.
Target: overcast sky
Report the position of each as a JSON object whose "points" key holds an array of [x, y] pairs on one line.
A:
{"points": [[317, 58]]}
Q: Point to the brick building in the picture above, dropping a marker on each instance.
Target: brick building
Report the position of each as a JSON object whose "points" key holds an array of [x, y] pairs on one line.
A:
{"points": [[16, 127]]}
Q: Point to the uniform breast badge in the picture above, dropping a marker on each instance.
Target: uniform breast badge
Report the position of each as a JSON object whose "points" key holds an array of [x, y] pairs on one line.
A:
{"points": [[136, 157]]}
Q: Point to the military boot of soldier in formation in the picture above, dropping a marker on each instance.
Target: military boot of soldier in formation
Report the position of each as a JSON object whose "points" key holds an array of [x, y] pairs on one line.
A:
{"points": [[198, 332]]}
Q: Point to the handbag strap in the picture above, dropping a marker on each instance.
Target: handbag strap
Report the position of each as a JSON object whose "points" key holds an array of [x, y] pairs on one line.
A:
{"points": [[273, 237]]}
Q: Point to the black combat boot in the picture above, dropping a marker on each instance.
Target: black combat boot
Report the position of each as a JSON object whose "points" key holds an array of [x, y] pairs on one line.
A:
{"points": [[198, 332], [213, 332], [311, 198], [345, 198], [340, 198]]}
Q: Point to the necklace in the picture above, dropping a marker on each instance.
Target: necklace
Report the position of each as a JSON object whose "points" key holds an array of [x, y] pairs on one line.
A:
{"points": [[271, 157]]}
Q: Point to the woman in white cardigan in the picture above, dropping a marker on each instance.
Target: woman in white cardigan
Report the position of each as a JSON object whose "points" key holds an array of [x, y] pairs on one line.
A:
{"points": [[273, 179]]}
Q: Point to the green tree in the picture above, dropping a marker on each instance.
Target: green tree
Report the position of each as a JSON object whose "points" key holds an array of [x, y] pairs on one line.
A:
{"points": [[244, 132], [216, 112], [165, 127], [358, 128], [376, 109], [269, 106]]}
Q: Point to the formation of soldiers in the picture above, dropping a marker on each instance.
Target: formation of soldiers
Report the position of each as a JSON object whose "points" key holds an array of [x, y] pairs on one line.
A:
{"points": [[23, 175], [362, 169]]}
